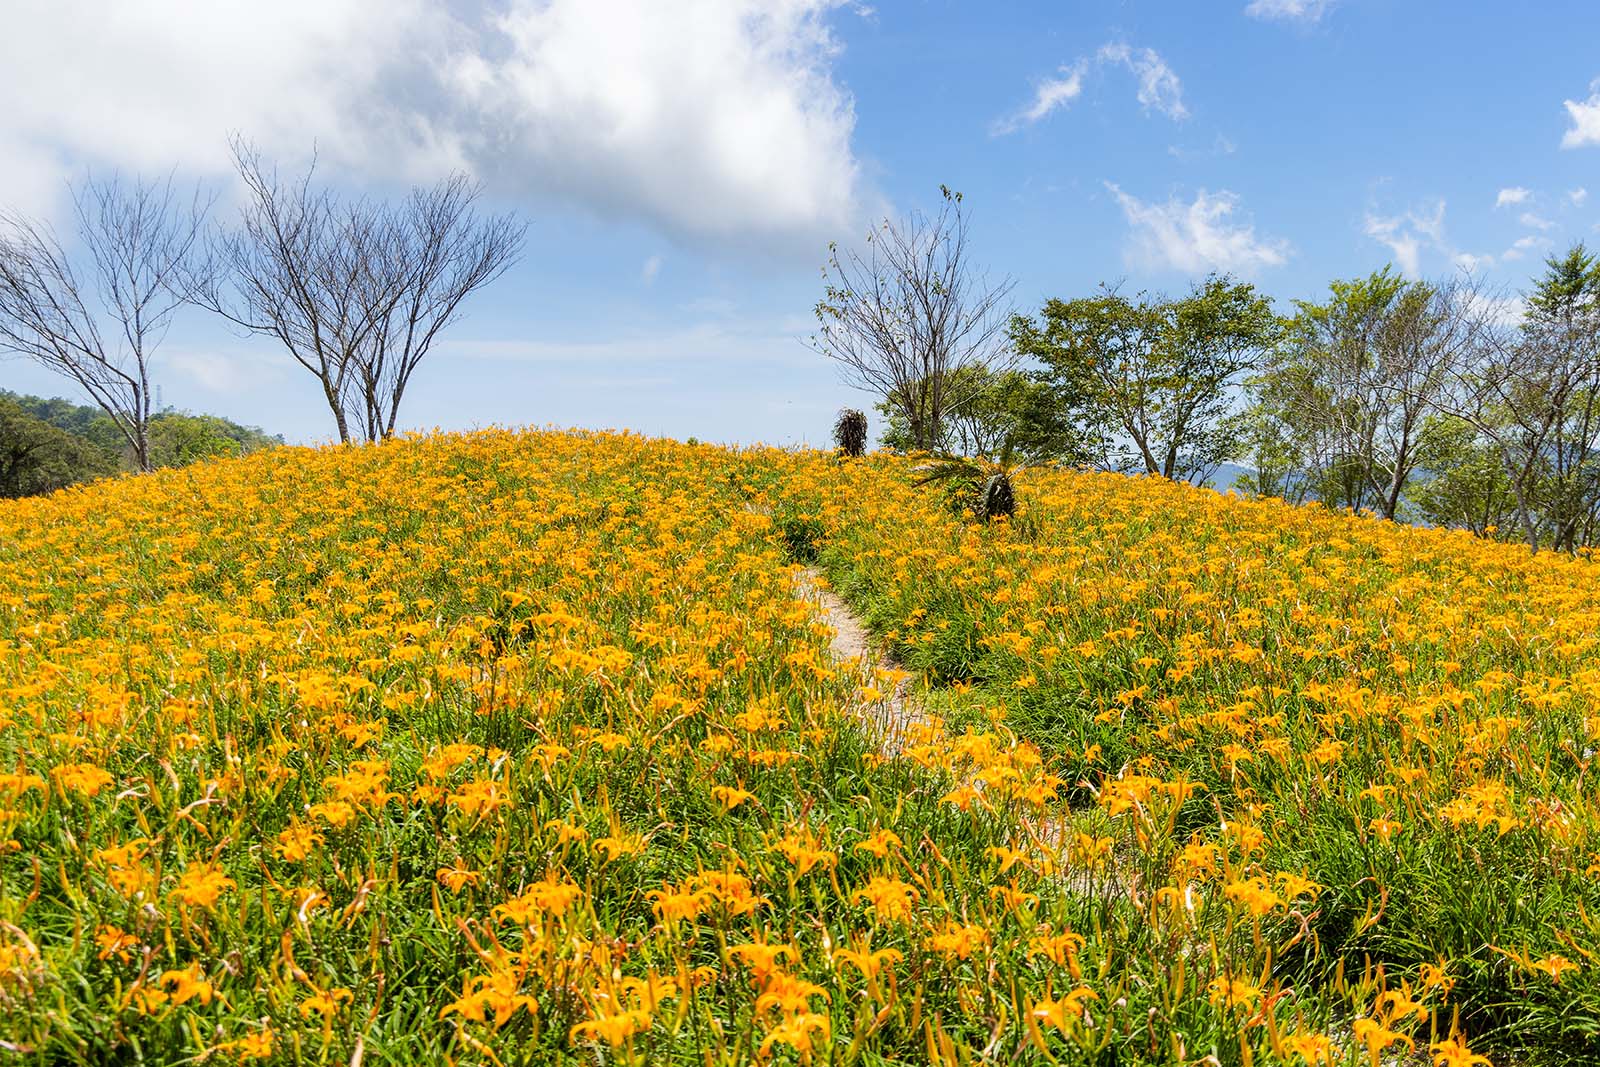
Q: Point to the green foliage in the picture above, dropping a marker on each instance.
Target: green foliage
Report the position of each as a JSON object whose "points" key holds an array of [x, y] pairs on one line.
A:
{"points": [[1002, 405], [1339, 412], [801, 534], [1149, 378], [37, 457], [178, 439], [979, 485], [1463, 482], [1569, 288], [86, 443], [1275, 454]]}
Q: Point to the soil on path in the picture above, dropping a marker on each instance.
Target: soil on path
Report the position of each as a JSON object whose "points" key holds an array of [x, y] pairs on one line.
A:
{"points": [[893, 721]]}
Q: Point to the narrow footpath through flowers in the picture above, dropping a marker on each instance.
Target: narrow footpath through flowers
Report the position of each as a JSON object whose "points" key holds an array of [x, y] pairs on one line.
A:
{"points": [[892, 714]]}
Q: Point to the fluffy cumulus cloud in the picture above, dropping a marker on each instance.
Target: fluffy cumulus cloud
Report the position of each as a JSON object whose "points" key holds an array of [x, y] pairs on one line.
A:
{"points": [[710, 119], [1198, 235], [1158, 87], [707, 116], [1289, 10], [161, 83], [1516, 194], [1585, 116]]}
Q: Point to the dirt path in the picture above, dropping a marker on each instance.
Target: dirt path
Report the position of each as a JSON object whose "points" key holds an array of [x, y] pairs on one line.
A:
{"points": [[899, 719], [894, 721]]}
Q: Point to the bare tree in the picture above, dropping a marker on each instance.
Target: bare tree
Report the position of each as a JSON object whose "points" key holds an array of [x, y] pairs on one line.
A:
{"points": [[1421, 335], [101, 327], [356, 290], [291, 270], [1532, 389], [904, 317], [431, 254]]}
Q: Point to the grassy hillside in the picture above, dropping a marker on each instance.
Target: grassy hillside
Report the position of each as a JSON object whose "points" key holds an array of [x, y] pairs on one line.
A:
{"points": [[519, 747]]}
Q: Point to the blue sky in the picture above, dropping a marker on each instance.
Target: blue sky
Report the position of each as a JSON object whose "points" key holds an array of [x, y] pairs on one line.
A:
{"points": [[684, 164]]}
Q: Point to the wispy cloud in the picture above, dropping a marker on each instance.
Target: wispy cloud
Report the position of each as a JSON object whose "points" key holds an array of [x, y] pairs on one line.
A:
{"points": [[1585, 116], [1220, 146], [1576, 197], [1516, 194], [237, 371], [1521, 247], [1307, 11], [651, 268], [1159, 87], [1197, 235], [1505, 310], [1048, 95], [1409, 233]]}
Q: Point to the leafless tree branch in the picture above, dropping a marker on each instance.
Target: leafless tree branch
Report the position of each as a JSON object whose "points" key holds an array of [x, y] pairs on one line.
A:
{"points": [[904, 316], [101, 326]]}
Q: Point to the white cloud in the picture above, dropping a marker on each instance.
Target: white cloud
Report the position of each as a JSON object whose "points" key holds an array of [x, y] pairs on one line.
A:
{"points": [[742, 342], [236, 372], [1289, 10], [1048, 95], [1220, 146], [1503, 310], [651, 268], [1197, 236], [1158, 86], [1514, 195], [1521, 247], [161, 83], [1408, 233], [714, 118], [1535, 222], [1576, 197], [709, 119], [1585, 115]]}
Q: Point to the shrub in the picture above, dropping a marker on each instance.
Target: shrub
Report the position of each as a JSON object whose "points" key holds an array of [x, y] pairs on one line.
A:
{"points": [[850, 432]]}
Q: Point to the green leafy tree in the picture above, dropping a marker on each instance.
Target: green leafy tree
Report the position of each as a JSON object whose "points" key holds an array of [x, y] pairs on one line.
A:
{"points": [[1342, 405], [1561, 342], [1004, 406], [1270, 445], [37, 457], [178, 439], [175, 438], [1154, 376], [1462, 482]]}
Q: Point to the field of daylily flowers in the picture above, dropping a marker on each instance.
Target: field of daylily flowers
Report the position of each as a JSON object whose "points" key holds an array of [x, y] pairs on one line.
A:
{"points": [[522, 748]]}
